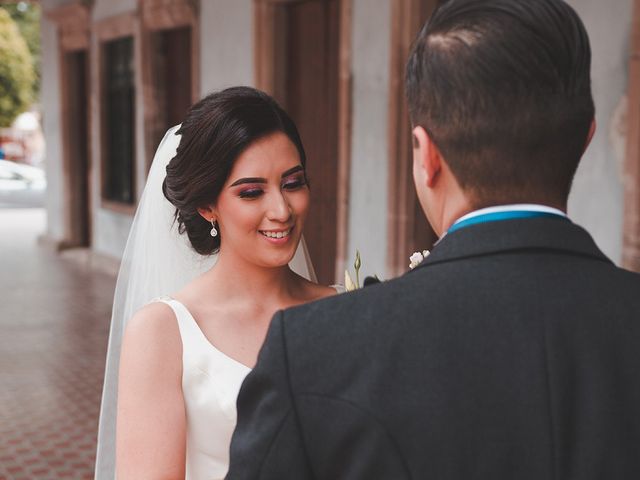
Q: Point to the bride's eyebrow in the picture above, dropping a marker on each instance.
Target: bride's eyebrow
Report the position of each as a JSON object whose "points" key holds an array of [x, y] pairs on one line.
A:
{"points": [[241, 181], [291, 171], [248, 180]]}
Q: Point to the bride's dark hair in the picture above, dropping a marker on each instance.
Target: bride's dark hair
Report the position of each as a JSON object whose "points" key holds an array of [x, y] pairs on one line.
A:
{"points": [[216, 130]]}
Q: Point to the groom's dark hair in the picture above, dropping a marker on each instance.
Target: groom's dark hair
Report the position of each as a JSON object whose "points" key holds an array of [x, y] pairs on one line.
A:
{"points": [[503, 89]]}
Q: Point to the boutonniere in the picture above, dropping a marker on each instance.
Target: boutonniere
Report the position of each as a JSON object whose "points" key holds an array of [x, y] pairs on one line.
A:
{"points": [[349, 284], [417, 258]]}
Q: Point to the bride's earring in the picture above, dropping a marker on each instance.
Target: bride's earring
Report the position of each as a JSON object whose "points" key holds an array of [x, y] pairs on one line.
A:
{"points": [[214, 230]]}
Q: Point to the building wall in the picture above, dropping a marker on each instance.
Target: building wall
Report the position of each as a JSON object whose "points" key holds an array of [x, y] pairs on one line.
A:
{"points": [[369, 146], [226, 44], [596, 201], [226, 28], [226, 58], [226, 51]]}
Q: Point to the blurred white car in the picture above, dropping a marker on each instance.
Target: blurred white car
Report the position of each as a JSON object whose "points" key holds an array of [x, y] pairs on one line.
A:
{"points": [[21, 185]]}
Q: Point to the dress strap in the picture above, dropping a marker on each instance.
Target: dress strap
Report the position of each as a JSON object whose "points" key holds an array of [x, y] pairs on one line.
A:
{"points": [[194, 342], [189, 330]]}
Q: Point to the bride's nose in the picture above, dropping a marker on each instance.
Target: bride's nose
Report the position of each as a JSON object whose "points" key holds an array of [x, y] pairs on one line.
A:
{"points": [[279, 209]]}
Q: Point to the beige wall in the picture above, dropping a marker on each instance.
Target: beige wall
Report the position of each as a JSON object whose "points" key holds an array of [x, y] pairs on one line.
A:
{"points": [[596, 201], [107, 8], [226, 44], [49, 100], [369, 146]]}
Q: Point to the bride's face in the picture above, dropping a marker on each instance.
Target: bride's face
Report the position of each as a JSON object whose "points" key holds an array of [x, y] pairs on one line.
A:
{"points": [[262, 206]]}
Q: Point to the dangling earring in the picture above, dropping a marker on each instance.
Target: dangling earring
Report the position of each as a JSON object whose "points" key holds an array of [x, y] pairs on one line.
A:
{"points": [[214, 230]]}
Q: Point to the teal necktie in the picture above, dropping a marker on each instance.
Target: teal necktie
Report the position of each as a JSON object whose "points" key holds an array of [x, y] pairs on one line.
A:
{"points": [[508, 215]]}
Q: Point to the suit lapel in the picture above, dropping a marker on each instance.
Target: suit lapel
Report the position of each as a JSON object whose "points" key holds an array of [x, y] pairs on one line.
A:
{"points": [[522, 235]]}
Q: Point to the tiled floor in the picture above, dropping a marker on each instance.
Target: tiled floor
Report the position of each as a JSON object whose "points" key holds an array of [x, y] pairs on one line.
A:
{"points": [[54, 318]]}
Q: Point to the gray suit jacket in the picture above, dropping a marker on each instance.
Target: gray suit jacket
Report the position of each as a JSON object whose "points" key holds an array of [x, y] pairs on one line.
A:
{"points": [[512, 352]]}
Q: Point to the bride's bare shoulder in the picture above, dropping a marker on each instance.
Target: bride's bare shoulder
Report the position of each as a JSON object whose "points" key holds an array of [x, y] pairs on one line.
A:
{"points": [[154, 324], [316, 291]]}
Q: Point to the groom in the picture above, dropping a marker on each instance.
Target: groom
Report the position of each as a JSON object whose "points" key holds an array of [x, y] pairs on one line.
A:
{"points": [[513, 350]]}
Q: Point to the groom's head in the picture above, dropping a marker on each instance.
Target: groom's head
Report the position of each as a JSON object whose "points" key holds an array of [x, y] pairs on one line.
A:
{"points": [[499, 94]]}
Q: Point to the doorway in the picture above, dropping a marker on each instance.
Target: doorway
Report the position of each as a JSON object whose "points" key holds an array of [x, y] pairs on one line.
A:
{"points": [[408, 229], [77, 164]]}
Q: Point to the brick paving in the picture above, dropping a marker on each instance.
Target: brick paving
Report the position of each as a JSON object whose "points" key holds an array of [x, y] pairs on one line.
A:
{"points": [[54, 319]]}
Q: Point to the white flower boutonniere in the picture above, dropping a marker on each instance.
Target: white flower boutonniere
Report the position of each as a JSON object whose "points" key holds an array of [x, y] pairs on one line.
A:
{"points": [[417, 258]]}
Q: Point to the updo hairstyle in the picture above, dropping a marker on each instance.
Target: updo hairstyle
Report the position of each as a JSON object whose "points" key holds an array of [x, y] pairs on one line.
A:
{"points": [[216, 130]]}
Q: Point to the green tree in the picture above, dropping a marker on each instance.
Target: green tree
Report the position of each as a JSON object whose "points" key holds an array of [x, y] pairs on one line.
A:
{"points": [[27, 17], [16, 71]]}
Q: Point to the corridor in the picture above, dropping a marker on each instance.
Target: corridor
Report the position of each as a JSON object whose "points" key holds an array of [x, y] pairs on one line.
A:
{"points": [[54, 319]]}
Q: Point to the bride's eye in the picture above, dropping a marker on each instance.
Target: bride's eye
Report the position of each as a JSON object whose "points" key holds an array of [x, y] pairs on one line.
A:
{"points": [[251, 193], [294, 183]]}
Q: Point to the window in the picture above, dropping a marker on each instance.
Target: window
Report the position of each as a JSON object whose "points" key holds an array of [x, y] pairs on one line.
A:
{"points": [[170, 44], [119, 120], [170, 83]]}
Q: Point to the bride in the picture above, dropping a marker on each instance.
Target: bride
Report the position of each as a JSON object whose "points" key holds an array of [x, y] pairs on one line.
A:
{"points": [[234, 177]]}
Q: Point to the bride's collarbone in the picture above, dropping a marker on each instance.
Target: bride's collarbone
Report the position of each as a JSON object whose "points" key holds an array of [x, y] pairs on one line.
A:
{"points": [[229, 314], [219, 311]]}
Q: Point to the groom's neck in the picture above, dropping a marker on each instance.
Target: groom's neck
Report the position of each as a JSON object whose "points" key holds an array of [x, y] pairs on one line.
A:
{"points": [[458, 207]]}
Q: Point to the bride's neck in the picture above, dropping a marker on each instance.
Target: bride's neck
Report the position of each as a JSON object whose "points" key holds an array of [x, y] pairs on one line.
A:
{"points": [[235, 277]]}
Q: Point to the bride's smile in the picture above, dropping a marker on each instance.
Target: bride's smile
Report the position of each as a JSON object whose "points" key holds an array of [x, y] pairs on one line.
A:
{"points": [[275, 235]]}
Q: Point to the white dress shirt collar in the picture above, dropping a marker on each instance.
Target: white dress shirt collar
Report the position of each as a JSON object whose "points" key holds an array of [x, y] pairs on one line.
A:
{"points": [[529, 207]]}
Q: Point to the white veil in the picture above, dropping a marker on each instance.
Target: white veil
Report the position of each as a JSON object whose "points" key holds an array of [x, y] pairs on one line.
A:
{"points": [[157, 261]]}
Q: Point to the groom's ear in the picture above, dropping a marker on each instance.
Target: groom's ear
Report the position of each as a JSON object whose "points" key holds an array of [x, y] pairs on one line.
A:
{"points": [[426, 156]]}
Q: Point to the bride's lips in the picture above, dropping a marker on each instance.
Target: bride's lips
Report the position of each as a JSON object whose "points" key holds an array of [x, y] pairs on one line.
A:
{"points": [[277, 237]]}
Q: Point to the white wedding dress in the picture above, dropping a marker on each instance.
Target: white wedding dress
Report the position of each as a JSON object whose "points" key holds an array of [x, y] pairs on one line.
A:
{"points": [[211, 381], [157, 260]]}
